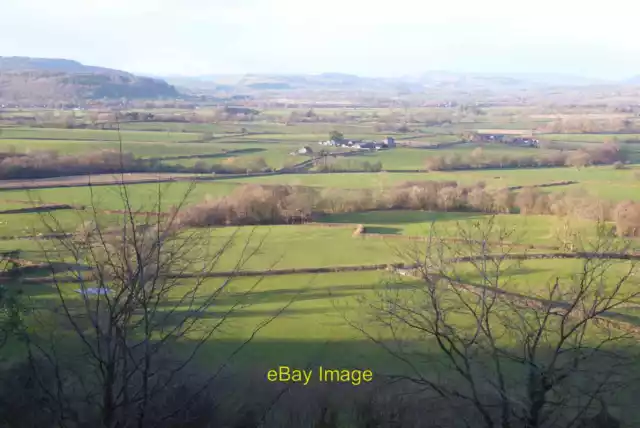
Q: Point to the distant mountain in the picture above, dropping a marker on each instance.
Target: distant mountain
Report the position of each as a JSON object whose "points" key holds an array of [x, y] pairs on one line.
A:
{"points": [[432, 80], [248, 83], [635, 80], [502, 81], [24, 63], [24, 80]]}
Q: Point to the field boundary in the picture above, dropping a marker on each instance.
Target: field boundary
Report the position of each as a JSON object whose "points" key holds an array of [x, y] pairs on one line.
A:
{"points": [[368, 235], [249, 273], [625, 322], [409, 269], [39, 208]]}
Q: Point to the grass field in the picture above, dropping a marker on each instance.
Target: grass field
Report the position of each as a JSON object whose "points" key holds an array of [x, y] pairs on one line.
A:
{"points": [[141, 148], [590, 138], [604, 182], [597, 180], [94, 135], [534, 230], [314, 326], [413, 158], [110, 197]]}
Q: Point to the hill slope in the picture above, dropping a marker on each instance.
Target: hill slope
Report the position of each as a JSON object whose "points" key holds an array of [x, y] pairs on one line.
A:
{"points": [[38, 80]]}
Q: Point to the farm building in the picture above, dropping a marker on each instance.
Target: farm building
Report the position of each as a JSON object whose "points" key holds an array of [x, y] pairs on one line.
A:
{"points": [[363, 145], [390, 142], [306, 150], [297, 217], [333, 143], [507, 136]]}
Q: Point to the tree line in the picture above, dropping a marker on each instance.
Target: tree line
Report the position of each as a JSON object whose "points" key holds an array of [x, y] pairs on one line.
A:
{"points": [[278, 204], [332, 164], [50, 163], [604, 154]]}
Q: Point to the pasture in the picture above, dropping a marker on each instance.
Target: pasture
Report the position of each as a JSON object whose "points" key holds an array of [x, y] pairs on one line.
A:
{"points": [[319, 307]]}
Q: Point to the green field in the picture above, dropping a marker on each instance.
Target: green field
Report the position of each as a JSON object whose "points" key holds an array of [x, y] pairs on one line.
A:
{"points": [[315, 327], [534, 230], [94, 135], [110, 197], [590, 138], [602, 181], [414, 159]]}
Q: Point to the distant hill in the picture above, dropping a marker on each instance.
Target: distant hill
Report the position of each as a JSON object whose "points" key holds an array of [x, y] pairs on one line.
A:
{"points": [[419, 83], [25, 63], [634, 80], [249, 83], [38, 80]]}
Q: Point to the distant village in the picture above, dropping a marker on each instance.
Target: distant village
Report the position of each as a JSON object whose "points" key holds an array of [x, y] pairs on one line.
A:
{"points": [[513, 137], [387, 143], [522, 138]]}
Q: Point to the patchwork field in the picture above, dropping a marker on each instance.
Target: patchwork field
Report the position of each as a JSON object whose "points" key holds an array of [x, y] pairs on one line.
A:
{"points": [[301, 275]]}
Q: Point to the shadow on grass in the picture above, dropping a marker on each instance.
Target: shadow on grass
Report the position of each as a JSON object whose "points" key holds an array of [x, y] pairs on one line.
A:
{"points": [[261, 355], [243, 383], [384, 230], [224, 154], [306, 344], [524, 271], [241, 152], [178, 316], [400, 217]]}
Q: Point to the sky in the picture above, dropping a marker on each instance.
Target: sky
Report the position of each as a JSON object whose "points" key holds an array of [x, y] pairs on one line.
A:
{"points": [[365, 37]]}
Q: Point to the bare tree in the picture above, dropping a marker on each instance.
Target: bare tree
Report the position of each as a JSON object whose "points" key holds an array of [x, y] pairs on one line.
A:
{"points": [[578, 159], [11, 302], [500, 358], [123, 345], [434, 163], [477, 157]]}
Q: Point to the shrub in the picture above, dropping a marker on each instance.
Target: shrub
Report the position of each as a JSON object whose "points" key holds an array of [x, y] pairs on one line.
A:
{"points": [[627, 218]]}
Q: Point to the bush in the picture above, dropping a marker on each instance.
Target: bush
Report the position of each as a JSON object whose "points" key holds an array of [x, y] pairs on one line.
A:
{"points": [[42, 164], [346, 165], [627, 218], [280, 204]]}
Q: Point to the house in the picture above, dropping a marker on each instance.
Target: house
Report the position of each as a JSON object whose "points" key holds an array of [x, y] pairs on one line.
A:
{"points": [[306, 150], [508, 136], [390, 142], [347, 143], [363, 145], [296, 217]]}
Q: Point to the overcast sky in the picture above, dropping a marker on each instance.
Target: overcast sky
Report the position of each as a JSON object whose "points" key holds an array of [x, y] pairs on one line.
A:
{"points": [[368, 37]]}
